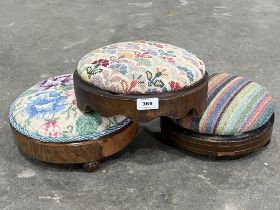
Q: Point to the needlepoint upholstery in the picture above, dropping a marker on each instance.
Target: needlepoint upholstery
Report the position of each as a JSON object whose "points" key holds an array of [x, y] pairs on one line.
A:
{"points": [[235, 105], [48, 112], [141, 67]]}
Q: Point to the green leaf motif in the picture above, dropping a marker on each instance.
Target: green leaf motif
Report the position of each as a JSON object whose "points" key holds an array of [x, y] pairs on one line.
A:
{"points": [[88, 124]]}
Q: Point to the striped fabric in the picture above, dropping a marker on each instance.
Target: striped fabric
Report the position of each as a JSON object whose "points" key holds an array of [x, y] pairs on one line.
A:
{"points": [[235, 105]]}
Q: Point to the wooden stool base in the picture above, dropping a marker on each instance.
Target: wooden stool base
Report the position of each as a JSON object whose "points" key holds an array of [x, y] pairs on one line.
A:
{"points": [[214, 145], [175, 104], [87, 153]]}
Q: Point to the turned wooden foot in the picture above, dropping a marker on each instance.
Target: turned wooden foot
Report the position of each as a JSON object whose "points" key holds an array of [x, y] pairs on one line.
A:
{"points": [[91, 166]]}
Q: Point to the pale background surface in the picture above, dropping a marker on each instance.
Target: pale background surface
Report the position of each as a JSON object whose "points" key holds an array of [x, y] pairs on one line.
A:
{"points": [[39, 39]]}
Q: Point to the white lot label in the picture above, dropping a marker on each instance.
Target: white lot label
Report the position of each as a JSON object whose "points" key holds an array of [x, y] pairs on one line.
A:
{"points": [[147, 103]]}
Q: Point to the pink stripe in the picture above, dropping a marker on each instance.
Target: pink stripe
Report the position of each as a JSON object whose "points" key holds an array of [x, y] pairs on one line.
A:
{"points": [[258, 111], [216, 101], [220, 78], [253, 110]]}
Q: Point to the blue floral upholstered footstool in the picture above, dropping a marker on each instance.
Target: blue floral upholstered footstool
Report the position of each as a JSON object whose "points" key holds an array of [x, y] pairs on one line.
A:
{"points": [[48, 126]]}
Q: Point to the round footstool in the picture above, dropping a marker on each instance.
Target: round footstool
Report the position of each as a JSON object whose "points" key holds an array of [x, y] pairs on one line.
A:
{"points": [[48, 126], [141, 80], [238, 119]]}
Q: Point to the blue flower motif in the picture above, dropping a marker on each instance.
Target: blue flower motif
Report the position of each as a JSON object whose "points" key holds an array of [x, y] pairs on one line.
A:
{"points": [[44, 103], [122, 68], [151, 51], [190, 74]]}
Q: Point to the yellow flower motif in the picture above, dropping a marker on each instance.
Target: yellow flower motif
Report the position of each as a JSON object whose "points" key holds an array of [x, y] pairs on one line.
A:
{"points": [[126, 55]]}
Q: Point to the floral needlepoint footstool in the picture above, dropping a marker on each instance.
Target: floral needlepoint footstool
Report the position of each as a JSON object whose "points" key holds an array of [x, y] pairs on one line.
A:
{"points": [[48, 126], [141, 80], [238, 119]]}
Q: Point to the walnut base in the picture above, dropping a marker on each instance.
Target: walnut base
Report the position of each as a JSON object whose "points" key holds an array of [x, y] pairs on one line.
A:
{"points": [[87, 153], [215, 145]]}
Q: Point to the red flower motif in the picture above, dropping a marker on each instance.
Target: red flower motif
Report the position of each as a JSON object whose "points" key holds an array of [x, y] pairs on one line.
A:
{"points": [[51, 128], [174, 85], [169, 60], [142, 55], [102, 62], [127, 88]]}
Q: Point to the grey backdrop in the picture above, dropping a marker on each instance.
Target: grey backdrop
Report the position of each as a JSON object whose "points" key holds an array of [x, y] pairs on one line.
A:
{"points": [[39, 39]]}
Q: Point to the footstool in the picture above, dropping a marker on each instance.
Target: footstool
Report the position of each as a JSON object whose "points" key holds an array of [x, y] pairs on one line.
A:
{"points": [[141, 80], [238, 119], [48, 126]]}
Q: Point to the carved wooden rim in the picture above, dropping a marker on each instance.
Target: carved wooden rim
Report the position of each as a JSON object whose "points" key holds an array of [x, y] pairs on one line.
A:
{"points": [[109, 104]]}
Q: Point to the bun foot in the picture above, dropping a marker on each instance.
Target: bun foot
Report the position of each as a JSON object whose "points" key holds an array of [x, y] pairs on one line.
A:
{"points": [[91, 166]]}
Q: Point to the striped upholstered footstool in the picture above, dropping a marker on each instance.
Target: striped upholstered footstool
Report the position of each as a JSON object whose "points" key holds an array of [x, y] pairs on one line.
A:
{"points": [[48, 126], [238, 119], [141, 80]]}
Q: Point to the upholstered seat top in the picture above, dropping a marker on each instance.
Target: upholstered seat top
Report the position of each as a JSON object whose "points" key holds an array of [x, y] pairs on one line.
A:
{"points": [[141, 67], [235, 105], [48, 112]]}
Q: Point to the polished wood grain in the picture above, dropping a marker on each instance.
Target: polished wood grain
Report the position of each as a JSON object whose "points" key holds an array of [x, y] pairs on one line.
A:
{"points": [[215, 145], [177, 104], [78, 152]]}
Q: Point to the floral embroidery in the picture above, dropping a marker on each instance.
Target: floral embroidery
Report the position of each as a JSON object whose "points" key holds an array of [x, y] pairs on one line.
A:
{"points": [[121, 67], [128, 88], [51, 128], [93, 70], [102, 62], [174, 85], [111, 67], [144, 62], [167, 53], [53, 81], [157, 44], [142, 55], [152, 51], [154, 80], [190, 74], [95, 67], [70, 95], [44, 104], [170, 60], [88, 123], [52, 115]]}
